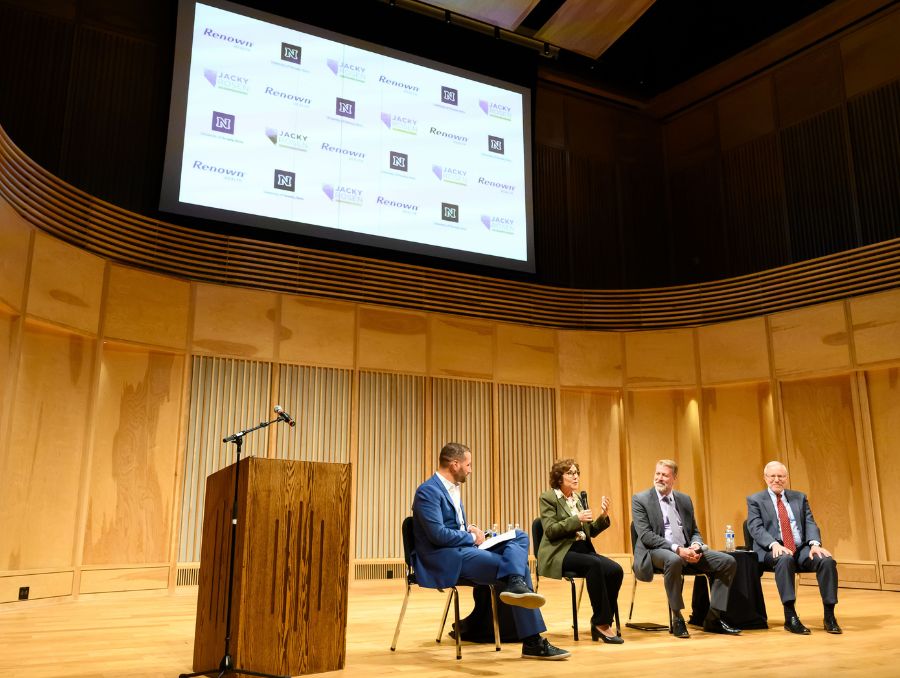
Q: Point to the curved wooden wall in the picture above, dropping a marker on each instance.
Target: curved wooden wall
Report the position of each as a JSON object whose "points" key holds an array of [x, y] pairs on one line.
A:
{"points": [[127, 238], [117, 384]]}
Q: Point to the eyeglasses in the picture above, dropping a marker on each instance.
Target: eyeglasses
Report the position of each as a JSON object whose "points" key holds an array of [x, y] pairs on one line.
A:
{"points": [[572, 474]]}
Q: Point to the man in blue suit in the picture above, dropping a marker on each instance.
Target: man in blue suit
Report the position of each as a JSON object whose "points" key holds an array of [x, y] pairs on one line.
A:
{"points": [[786, 540], [447, 550]]}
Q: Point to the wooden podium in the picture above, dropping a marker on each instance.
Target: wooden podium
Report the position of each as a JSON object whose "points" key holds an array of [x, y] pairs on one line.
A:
{"points": [[292, 549]]}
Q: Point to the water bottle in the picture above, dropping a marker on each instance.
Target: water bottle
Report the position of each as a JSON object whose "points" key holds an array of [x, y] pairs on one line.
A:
{"points": [[729, 538], [494, 532]]}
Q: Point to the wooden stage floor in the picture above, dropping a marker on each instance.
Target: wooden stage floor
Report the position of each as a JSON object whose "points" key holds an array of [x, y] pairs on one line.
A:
{"points": [[150, 635]]}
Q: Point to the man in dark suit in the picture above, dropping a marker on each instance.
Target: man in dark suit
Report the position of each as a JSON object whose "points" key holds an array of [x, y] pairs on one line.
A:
{"points": [[447, 549], [786, 539], [668, 539]]}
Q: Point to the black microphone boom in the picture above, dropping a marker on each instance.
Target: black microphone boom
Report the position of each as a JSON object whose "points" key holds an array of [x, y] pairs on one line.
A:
{"points": [[284, 416]]}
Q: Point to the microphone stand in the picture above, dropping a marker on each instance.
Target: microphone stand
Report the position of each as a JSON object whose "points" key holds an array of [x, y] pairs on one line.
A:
{"points": [[226, 666]]}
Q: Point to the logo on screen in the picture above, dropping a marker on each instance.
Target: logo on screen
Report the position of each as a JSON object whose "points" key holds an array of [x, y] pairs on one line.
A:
{"points": [[498, 224], [495, 110], [237, 42], [400, 123], [495, 145], [345, 108], [345, 194], [499, 185], [284, 180], [399, 161], [449, 96], [290, 52], [288, 138], [345, 69], [452, 175], [408, 207], [222, 122], [449, 212], [227, 81]]}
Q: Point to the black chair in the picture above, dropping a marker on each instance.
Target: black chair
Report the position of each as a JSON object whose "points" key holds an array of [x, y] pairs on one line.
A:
{"points": [[409, 546], [537, 534], [645, 626]]}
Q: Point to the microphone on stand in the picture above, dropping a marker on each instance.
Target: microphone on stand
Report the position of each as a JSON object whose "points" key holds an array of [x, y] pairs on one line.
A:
{"points": [[284, 416]]}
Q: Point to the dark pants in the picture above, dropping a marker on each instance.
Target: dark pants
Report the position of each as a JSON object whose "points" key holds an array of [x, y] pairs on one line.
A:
{"points": [[604, 579], [785, 567], [720, 566]]}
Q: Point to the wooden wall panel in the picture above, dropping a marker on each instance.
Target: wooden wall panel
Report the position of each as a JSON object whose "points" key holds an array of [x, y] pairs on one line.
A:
{"points": [[40, 474], [66, 284], [549, 118], [739, 440], [658, 359], [391, 460], [809, 85], [824, 461], [461, 412], [810, 339], [664, 424], [871, 55], [147, 308], [392, 340], [527, 425], [15, 241], [124, 579], [42, 585], [8, 360], [746, 113], [873, 120], [319, 399], [460, 348], [590, 433], [884, 407], [232, 321], [817, 186], [590, 358], [135, 449], [733, 352], [876, 327], [227, 396], [526, 354], [317, 331]]}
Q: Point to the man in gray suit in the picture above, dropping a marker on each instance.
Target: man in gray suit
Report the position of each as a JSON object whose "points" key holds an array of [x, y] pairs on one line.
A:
{"points": [[668, 539], [786, 539]]}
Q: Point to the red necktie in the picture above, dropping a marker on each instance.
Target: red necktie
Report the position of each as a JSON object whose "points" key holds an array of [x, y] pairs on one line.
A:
{"points": [[787, 536]]}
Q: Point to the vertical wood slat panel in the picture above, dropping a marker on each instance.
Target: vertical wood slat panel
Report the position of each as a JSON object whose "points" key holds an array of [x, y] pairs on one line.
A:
{"points": [[319, 400], [527, 450], [391, 457], [874, 120], [817, 186], [461, 412], [754, 206], [551, 220], [227, 396]]}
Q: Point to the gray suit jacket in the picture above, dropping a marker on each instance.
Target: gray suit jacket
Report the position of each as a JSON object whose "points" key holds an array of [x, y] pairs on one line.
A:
{"points": [[650, 530], [763, 525]]}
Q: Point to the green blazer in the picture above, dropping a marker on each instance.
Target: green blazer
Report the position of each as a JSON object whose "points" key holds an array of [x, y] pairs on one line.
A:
{"points": [[560, 527]]}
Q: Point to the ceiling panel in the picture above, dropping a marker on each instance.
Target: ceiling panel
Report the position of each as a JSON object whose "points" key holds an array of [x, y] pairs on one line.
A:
{"points": [[589, 27], [507, 14]]}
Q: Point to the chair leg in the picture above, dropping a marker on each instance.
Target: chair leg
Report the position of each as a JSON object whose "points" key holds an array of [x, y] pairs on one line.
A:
{"points": [[574, 608], [455, 594], [633, 591], [581, 593], [618, 625], [400, 620], [496, 619], [440, 632]]}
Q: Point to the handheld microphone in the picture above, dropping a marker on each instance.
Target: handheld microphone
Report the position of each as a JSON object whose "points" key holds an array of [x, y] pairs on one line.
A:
{"points": [[584, 499], [284, 416], [703, 549]]}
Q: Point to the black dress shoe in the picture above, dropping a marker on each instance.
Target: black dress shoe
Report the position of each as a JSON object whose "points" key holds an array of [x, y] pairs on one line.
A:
{"points": [[831, 626], [716, 625], [794, 625], [679, 628], [544, 650], [597, 634]]}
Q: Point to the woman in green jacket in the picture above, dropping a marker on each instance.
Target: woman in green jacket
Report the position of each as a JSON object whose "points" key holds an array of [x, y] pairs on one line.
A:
{"points": [[566, 546]]}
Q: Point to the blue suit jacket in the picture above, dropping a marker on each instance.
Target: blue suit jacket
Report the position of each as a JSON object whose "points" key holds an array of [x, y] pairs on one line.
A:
{"points": [[437, 559], [764, 526]]}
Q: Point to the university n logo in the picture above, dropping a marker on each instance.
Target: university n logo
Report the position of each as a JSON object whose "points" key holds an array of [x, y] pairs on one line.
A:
{"points": [[449, 212], [495, 145], [290, 53], [284, 181], [345, 108], [222, 122], [449, 96], [399, 161]]}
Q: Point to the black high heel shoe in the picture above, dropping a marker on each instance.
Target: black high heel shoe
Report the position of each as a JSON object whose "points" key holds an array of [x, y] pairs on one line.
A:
{"points": [[609, 640]]}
